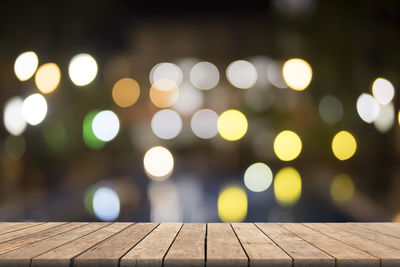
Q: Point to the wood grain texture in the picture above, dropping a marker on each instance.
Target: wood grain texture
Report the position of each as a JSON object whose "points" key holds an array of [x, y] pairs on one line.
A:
{"points": [[62, 255], [344, 254], [259, 248], [221, 235], [152, 249], [392, 229], [188, 248], [109, 252], [303, 253], [12, 227], [389, 256]]}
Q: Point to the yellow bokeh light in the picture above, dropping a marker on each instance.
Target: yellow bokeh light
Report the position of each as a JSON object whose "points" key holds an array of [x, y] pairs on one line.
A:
{"points": [[344, 145], [398, 117], [232, 125], [232, 204], [287, 145], [342, 189], [164, 93], [297, 73], [47, 78], [287, 186], [126, 92]]}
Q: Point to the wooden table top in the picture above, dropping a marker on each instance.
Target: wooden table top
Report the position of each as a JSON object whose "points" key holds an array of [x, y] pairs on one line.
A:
{"points": [[199, 244]]}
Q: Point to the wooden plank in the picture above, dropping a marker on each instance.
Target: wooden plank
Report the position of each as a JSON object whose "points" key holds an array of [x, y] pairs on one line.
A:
{"points": [[11, 227], [303, 253], [61, 256], [27, 231], [110, 251], [188, 247], [392, 229], [223, 247], [259, 248], [389, 256], [369, 234], [344, 254], [23, 256], [37, 236], [152, 249]]}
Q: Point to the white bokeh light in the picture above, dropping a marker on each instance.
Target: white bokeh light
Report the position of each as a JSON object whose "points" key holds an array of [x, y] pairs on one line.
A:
{"points": [[204, 123], [158, 163], [261, 64], [383, 91], [34, 109], [367, 107], [258, 177], [274, 73], [241, 74], [12, 116], [82, 69], [166, 124], [105, 125], [385, 120], [166, 70], [189, 100], [106, 204], [204, 75], [26, 65]]}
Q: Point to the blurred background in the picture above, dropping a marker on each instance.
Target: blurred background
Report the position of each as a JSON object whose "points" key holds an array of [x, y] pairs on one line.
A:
{"points": [[283, 110]]}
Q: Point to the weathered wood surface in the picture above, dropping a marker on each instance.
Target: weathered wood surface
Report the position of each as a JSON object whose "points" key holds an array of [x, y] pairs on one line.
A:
{"points": [[199, 244]]}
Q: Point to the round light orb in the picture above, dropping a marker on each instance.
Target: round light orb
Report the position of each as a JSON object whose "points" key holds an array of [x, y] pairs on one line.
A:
{"points": [[13, 118], [34, 109], [158, 163], [105, 125], [106, 205], [287, 186], [204, 123], [166, 124], [25, 65], [287, 145], [342, 189], [274, 74], [258, 177], [297, 73], [204, 75], [344, 145], [367, 108], [386, 118], [82, 69], [261, 64], [164, 93], [89, 137], [383, 91], [232, 204], [166, 70], [189, 100], [232, 125], [330, 109], [47, 78], [241, 74], [125, 92]]}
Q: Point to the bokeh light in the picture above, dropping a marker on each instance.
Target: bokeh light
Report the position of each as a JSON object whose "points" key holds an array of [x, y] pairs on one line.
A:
{"points": [[88, 199], [342, 189], [166, 70], [330, 109], [232, 204], [47, 78], [204, 75], [106, 205], [166, 124], [367, 108], [158, 163], [34, 109], [274, 73], [383, 91], [287, 145], [126, 92], [386, 118], [344, 145], [204, 123], [105, 125], [26, 65], [261, 64], [164, 93], [232, 125], [189, 100], [297, 73], [13, 119], [89, 137], [258, 177], [287, 186], [82, 69], [241, 74], [14, 146]]}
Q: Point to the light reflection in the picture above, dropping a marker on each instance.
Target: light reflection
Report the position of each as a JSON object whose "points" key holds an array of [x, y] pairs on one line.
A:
{"points": [[287, 145], [232, 204], [287, 186], [342, 189], [13, 118], [106, 204]]}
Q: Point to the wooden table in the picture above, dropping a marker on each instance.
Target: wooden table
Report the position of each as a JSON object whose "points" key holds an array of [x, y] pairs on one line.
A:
{"points": [[199, 244]]}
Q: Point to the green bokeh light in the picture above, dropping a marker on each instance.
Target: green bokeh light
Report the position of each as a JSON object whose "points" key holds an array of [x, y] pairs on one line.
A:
{"points": [[89, 137]]}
